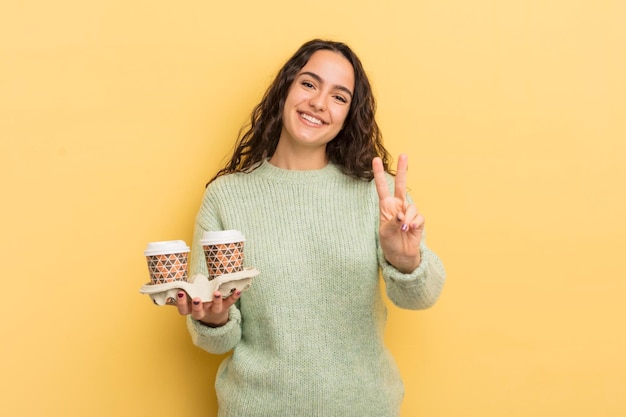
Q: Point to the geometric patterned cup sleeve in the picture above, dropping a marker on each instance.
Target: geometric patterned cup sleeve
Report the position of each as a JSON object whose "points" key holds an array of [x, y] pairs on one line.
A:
{"points": [[223, 258], [167, 268]]}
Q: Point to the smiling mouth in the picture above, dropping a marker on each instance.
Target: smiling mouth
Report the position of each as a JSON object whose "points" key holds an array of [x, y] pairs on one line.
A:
{"points": [[311, 119]]}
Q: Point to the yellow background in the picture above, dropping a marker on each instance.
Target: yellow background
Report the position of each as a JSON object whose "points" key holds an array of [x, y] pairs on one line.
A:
{"points": [[113, 114]]}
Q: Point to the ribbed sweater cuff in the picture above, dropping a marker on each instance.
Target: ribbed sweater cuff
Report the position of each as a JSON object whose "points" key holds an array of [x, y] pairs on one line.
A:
{"points": [[390, 271], [419, 289], [216, 340]]}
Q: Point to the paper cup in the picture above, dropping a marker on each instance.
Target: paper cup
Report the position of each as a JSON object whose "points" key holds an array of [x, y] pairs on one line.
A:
{"points": [[223, 251], [167, 261]]}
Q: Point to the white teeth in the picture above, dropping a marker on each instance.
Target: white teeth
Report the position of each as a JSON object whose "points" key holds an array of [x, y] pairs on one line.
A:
{"points": [[311, 119]]}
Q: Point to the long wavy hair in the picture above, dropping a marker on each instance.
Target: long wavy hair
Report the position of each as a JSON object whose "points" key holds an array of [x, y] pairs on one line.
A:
{"points": [[354, 147]]}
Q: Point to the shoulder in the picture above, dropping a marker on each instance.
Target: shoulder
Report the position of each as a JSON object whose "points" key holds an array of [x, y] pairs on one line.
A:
{"points": [[227, 181], [223, 189]]}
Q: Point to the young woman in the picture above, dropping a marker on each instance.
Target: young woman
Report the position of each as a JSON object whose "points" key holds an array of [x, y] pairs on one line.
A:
{"points": [[307, 185]]}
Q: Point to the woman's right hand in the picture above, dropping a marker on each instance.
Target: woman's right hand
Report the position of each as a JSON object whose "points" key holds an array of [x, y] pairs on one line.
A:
{"points": [[213, 313]]}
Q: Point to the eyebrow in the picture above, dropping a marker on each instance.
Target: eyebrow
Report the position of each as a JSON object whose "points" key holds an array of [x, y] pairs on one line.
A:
{"points": [[320, 80]]}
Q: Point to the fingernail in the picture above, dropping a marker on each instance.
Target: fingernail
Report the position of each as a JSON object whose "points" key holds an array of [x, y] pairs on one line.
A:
{"points": [[216, 295], [196, 303], [181, 295], [238, 293], [404, 227]]}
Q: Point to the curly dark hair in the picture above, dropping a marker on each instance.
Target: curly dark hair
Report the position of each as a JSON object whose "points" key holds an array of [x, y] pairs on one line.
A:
{"points": [[354, 147]]}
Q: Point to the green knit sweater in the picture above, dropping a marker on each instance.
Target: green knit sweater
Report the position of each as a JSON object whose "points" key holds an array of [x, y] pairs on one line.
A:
{"points": [[307, 337]]}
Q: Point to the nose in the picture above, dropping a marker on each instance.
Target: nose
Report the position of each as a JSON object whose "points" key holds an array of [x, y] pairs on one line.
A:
{"points": [[318, 102]]}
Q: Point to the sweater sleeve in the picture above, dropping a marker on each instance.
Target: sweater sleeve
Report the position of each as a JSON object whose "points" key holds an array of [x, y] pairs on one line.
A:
{"points": [[216, 340], [419, 289], [219, 339]]}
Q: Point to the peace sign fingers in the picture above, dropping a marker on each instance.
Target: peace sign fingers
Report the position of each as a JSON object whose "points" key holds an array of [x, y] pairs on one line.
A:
{"points": [[379, 179], [400, 180], [400, 188], [401, 224]]}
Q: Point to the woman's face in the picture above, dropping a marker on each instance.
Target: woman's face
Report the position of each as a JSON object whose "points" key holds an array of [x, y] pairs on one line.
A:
{"points": [[318, 101]]}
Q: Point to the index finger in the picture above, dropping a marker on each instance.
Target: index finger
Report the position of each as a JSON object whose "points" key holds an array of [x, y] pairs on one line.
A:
{"points": [[182, 303], [379, 178], [400, 187]]}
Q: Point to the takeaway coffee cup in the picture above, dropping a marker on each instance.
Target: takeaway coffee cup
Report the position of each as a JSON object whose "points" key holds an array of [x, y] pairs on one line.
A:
{"points": [[167, 261], [223, 251]]}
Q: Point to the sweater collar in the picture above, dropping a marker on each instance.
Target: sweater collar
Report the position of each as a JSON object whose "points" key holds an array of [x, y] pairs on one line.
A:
{"points": [[274, 173]]}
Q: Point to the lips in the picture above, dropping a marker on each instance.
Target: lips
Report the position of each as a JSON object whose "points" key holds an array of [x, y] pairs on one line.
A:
{"points": [[311, 119]]}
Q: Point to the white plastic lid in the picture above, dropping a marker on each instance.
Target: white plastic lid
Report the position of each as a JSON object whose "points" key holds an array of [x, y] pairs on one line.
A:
{"points": [[166, 247], [222, 236]]}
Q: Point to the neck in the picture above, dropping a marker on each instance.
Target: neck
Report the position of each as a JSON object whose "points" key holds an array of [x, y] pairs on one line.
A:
{"points": [[303, 160]]}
